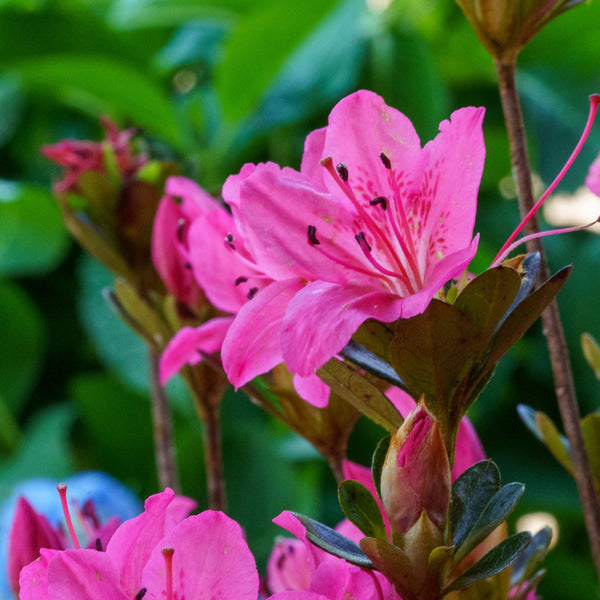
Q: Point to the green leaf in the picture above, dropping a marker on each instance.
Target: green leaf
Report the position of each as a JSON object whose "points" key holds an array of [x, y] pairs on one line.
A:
{"points": [[361, 508], [590, 426], [97, 83], [356, 389], [471, 492], [33, 238], [261, 45], [591, 351], [527, 563], [378, 460], [392, 562], [11, 107], [365, 359], [494, 513], [22, 338], [335, 543], [496, 560], [525, 315]]}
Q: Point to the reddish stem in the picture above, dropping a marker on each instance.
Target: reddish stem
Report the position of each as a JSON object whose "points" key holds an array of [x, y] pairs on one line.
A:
{"points": [[555, 338]]}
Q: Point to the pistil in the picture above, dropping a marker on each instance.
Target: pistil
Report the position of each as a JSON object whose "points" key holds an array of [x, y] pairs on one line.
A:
{"points": [[62, 492], [168, 556]]}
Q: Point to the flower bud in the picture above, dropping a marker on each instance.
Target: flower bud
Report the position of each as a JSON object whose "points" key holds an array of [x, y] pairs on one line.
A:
{"points": [[416, 473], [506, 26]]}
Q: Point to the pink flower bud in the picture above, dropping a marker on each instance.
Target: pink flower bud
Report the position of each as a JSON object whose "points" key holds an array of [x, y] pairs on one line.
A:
{"points": [[416, 473]]}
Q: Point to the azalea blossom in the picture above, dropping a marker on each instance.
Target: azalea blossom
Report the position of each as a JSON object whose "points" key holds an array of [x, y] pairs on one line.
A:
{"points": [[373, 222], [210, 254], [80, 156], [297, 564], [593, 178], [162, 553]]}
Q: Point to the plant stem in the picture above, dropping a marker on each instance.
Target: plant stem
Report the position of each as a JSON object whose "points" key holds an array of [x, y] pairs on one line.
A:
{"points": [[163, 430], [555, 338], [213, 458]]}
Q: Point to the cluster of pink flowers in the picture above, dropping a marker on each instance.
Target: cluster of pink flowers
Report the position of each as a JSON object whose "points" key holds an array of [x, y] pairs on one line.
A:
{"points": [[372, 226]]}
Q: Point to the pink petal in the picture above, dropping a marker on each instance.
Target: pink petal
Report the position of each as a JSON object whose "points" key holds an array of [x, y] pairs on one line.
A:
{"points": [[185, 346], [133, 543], [447, 179], [361, 126], [194, 200], [33, 579], [403, 402], [344, 309], [312, 389], [468, 448], [295, 595], [217, 267], [314, 151], [252, 345], [276, 230], [84, 575], [211, 560], [288, 567], [29, 532]]}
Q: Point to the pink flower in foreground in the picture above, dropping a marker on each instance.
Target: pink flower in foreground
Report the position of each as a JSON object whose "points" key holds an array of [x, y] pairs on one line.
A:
{"points": [[162, 553], [212, 256], [373, 222], [80, 156], [296, 564]]}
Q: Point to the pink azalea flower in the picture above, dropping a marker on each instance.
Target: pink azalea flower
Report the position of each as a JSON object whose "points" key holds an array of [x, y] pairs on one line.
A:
{"points": [[214, 253], [160, 554], [297, 564], [79, 156], [373, 222]]}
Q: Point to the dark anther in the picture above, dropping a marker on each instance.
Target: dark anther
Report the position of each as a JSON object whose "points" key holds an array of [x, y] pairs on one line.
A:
{"points": [[360, 238], [385, 160], [379, 200], [312, 235], [141, 594], [229, 241], [240, 280], [251, 293], [180, 228], [187, 265], [98, 545], [342, 171]]}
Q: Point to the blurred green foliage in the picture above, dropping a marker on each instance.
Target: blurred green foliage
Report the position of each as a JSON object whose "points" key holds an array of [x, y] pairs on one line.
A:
{"points": [[213, 84]]}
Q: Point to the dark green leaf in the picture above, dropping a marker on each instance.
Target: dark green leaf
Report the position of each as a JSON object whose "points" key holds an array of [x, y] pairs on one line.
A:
{"points": [[365, 359], [335, 543], [527, 563], [33, 238], [11, 105], [496, 560], [378, 460], [259, 48], [494, 513], [392, 562], [361, 508], [470, 494], [356, 389]]}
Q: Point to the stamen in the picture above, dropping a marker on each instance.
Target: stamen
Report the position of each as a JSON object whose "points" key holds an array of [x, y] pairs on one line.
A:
{"points": [[99, 544], [498, 260], [594, 102], [385, 160], [229, 241], [240, 280], [187, 266], [252, 293], [312, 235], [168, 556], [364, 246], [141, 594], [342, 171], [381, 201], [180, 228], [62, 492]]}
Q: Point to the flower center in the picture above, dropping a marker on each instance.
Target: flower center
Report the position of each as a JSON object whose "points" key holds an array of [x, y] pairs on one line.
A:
{"points": [[393, 257]]}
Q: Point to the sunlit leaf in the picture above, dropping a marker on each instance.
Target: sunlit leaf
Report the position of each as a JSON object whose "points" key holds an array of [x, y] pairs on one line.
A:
{"points": [[361, 508]]}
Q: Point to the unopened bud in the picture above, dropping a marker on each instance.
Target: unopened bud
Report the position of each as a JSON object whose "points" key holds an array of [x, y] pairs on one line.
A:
{"points": [[416, 474]]}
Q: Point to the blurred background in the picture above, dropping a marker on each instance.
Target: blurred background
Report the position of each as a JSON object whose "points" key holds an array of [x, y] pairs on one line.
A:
{"points": [[212, 85]]}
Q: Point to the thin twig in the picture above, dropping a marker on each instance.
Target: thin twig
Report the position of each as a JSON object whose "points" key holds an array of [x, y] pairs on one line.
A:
{"points": [[559, 354], [163, 430]]}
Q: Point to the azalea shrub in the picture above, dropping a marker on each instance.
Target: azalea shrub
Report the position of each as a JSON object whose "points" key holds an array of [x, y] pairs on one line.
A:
{"points": [[302, 329]]}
